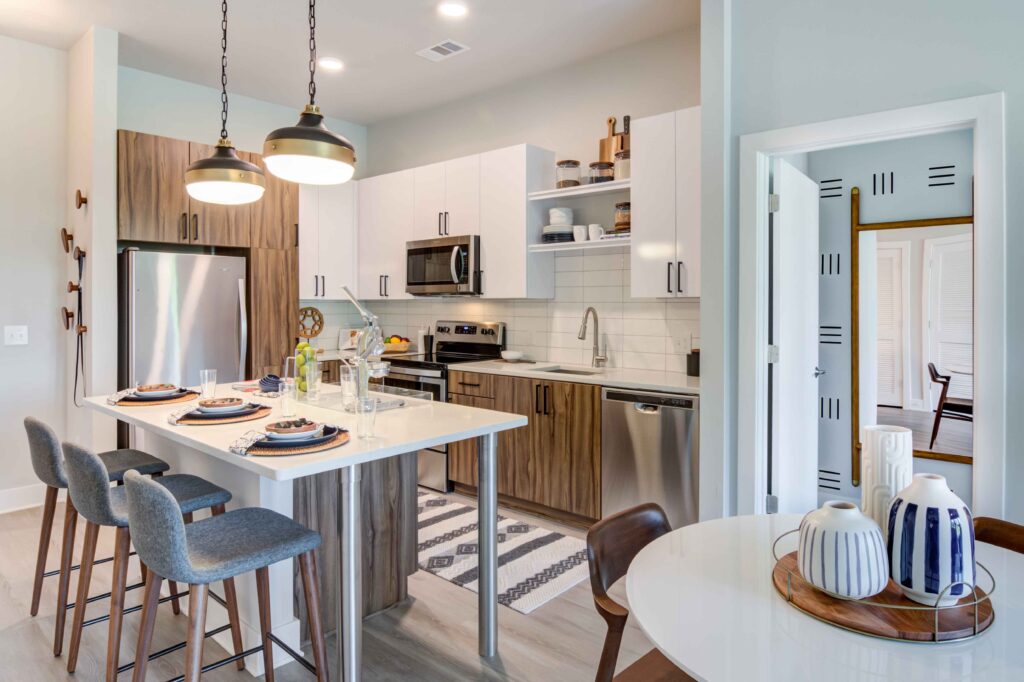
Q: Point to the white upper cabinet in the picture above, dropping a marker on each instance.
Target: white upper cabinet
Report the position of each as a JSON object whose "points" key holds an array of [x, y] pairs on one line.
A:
{"points": [[447, 198], [386, 222], [327, 240], [508, 269], [309, 227], [665, 198]]}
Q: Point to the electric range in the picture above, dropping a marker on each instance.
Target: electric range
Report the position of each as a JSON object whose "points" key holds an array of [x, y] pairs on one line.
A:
{"points": [[455, 342]]}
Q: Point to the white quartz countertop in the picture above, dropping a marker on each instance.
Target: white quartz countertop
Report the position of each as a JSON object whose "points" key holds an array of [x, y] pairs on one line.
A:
{"points": [[420, 424], [637, 379]]}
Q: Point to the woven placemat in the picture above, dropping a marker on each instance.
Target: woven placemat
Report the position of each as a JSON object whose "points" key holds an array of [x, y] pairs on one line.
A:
{"points": [[191, 395], [258, 414], [340, 439]]}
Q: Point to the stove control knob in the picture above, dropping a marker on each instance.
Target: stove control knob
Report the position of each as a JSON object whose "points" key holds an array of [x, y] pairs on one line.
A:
{"points": [[443, 330]]}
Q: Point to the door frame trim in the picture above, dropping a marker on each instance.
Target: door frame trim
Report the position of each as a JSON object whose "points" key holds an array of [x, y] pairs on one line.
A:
{"points": [[985, 116]]}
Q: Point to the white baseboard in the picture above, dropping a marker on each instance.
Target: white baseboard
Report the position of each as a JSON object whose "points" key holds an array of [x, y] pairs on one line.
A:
{"points": [[25, 497], [918, 404]]}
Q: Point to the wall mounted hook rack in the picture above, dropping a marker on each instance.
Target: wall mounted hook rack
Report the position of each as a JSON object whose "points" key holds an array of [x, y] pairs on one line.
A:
{"points": [[66, 316], [66, 239]]}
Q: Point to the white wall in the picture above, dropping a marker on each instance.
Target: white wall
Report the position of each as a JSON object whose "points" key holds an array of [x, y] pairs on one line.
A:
{"points": [[158, 105], [564, 109], [793, 61], [32, 263]]}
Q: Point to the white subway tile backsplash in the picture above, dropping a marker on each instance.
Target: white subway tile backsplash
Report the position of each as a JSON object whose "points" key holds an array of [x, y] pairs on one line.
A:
{"points": [[568, 263], [568, 279]]}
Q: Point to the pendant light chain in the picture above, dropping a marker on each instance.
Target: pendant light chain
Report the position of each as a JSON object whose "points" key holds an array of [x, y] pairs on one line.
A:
{"points": [[312, 52], [224, 70]]}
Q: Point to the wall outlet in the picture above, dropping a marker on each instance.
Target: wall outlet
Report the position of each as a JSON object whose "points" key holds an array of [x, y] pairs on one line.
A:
{"points": [[15, 335]]}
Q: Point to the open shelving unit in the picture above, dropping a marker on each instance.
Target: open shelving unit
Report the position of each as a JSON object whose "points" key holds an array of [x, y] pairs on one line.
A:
{"points": [[581, 191], [579, 246]]}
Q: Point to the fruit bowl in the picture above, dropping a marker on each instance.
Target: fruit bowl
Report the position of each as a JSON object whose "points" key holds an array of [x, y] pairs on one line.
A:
{"points": [[396, 344]]}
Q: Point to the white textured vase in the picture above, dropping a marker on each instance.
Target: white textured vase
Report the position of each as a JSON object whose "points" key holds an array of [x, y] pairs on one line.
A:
{"points": [[931, 542], [842, 552], [887, 468]]}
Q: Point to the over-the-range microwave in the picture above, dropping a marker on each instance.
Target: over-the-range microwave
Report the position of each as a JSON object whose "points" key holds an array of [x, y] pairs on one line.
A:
{"points": [[446, 266]]}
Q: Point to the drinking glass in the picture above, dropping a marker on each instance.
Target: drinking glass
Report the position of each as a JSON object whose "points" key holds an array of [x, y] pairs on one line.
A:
{"points": [[207, 383], [313, 373], [288, 376], [347, 379], [366, 416]]}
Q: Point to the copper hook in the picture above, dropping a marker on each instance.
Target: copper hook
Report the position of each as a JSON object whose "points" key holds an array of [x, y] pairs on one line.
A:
{"points": [[72, 287], [79, 253], [80, 199], [66, 238], [66, 316]]}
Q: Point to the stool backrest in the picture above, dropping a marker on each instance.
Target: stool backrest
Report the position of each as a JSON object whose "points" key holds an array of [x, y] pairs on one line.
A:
{"points": [[47, 458], [157, 529], [89, 485]]}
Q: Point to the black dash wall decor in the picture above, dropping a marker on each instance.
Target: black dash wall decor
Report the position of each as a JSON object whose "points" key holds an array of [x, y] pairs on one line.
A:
{"points": [[942, 176], [831, 264], [830, 189], [831, 334]]}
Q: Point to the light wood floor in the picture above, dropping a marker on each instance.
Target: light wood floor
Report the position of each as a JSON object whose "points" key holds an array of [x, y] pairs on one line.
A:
{"points": [[431, 636], [955, 437]]}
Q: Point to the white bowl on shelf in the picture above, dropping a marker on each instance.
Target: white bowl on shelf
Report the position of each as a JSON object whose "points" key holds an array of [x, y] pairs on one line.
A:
{"points": [[511, 355]]}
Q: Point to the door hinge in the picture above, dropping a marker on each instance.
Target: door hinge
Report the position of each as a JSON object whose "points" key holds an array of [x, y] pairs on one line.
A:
{"points": [[773, 203], [771, 504], [773, 354]]}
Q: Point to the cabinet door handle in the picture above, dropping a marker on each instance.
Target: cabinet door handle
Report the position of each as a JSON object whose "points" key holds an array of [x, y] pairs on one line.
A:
{"points": [[536, 399], [446, 223], [184, 227], [195, 227], [668, 283], [466, 383], [386, 278], [296, 234], [380, 286], [546, 400], [679, 276], [323, 285], [316, 286], [439, 232]]}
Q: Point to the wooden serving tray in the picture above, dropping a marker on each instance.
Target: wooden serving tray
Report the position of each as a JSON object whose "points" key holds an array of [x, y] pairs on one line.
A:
{"points": [[867, 618], [184, 398], [258, 414], [257, 451]]}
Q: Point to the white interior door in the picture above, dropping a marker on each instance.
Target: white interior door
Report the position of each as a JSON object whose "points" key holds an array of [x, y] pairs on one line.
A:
{"points": [[890, 321], [794, 447], [950, 305]]}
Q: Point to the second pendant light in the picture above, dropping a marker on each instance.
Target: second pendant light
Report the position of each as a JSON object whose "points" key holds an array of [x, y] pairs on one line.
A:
{"points": [[308, 152]]}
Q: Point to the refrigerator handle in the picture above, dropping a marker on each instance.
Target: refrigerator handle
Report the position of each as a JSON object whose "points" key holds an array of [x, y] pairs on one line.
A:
{"points": [[243, 330]]}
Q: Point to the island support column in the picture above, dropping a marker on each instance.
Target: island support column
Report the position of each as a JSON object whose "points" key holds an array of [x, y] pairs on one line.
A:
{"points": [[350, 606], [487, 546]]}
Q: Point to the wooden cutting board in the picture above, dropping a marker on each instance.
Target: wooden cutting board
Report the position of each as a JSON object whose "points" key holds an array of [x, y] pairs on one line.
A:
{"points": [[868, 618]]}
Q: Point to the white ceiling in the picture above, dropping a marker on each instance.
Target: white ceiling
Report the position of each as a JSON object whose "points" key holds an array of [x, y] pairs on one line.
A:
{"points": [[509, 40]]}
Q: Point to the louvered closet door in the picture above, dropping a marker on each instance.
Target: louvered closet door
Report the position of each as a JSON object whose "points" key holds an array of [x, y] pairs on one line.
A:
{"points": [[890, 324], [951, 312]]}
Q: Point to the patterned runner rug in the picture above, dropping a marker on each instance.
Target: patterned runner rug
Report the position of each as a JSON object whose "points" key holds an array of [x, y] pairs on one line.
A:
{"points": [[535, 565]]}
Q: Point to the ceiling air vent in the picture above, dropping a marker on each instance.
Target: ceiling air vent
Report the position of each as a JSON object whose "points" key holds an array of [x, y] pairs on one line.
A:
{"points": [[443, 50]]}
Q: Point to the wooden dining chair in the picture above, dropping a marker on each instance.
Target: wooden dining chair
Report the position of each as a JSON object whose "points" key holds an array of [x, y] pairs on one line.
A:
{"points": [[612, 543], [999, 533], [948, 408]]}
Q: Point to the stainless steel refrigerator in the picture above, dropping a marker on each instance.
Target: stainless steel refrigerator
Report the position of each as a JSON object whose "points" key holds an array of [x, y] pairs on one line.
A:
{"points": [[180, 313]]}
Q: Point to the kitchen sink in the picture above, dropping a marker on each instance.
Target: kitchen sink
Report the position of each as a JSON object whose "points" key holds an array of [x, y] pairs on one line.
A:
{"points": [[566, 370]]}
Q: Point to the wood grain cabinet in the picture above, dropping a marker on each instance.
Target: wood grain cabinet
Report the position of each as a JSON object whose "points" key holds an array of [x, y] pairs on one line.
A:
{"points": [[555, 461], [274, 308], [275, 217]]}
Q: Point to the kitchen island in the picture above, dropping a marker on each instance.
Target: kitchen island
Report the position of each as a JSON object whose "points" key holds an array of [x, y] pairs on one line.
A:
{"points": [[268, 482]]}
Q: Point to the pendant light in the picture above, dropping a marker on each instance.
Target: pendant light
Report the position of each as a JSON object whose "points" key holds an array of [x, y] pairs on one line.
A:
{"points": [[224, 178], [308, 152]]}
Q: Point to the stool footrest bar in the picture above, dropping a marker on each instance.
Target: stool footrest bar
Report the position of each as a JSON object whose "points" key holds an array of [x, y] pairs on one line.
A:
{"points": [[56, 571], [299, 658], [174, 647]]}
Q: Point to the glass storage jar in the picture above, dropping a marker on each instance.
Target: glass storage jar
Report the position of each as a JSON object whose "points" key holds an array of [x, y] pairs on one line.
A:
{"points": [[567, 173], [602, 171], [622, 165], [622, 212]]}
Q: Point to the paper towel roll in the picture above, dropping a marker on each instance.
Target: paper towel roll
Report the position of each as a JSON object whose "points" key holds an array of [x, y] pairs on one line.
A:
{"points": [[887, 467]]}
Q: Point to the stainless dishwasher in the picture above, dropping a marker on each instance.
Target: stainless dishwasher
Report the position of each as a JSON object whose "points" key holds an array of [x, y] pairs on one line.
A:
{"points": [[650, 452]]}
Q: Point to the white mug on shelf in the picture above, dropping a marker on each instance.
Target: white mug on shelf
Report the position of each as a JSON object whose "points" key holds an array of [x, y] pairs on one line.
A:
{"points": [[579, 233], [596, 231]]}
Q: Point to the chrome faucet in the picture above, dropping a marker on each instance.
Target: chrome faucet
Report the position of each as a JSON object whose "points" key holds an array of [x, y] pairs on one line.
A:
{"points": [[598, 360]]}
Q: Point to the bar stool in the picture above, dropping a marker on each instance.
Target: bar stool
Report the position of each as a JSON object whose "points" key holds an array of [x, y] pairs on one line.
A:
{"points": [[48, 464], [218, 548], [102, 505]]}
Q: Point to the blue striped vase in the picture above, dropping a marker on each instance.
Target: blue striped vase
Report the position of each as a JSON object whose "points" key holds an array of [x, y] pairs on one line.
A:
{"points": [[931, 542], [841, 552]]}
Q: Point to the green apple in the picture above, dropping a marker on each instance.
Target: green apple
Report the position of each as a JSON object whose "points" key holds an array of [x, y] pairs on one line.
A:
{"points": [[300, 360]]}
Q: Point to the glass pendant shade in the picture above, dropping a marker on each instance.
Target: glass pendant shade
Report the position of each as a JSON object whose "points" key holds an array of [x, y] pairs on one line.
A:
{"points": [[309, 153], [223, 178]]}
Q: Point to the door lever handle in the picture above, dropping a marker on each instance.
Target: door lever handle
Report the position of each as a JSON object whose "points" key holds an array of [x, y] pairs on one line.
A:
{"points": [[818, 372]]}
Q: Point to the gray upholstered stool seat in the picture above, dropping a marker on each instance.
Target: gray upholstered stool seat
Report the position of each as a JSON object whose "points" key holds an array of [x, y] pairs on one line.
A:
{"points": [[120, 461], [190, 492], [242, 541]]}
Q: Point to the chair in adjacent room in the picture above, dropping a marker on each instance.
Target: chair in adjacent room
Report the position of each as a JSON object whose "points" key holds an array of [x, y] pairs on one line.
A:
{"points": [[961, 409], [48, 464], [102, 505], [999, 533], [612, 543], [218, 549]]}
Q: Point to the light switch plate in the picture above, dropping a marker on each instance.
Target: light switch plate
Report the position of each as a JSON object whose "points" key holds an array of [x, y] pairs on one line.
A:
{"points": [[15, 335]]}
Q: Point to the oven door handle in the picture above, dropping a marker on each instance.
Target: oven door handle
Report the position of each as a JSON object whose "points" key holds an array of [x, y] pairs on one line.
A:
{"points": [[413, 374]]}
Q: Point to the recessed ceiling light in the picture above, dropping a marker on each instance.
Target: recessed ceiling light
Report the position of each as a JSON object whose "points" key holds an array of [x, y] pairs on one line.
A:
{"points": [[452, 9], [331, 63]]}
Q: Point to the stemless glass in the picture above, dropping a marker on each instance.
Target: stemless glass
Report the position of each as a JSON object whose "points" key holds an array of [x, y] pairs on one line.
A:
{"points": [[347, 380], [366, 416], [207, 383], [313, 373], [289, 374]]}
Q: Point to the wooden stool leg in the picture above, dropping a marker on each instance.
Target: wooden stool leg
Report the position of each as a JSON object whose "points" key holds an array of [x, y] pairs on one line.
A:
{"points": [[263, 597], [84, 577], [45, 530], [122, 548], [311, 588], [150, 601], [67, 550], [173, 586], [197, 598], [231, 597]]}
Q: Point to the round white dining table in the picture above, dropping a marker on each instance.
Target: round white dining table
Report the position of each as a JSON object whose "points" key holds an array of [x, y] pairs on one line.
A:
{"points": [[704, 596]]}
